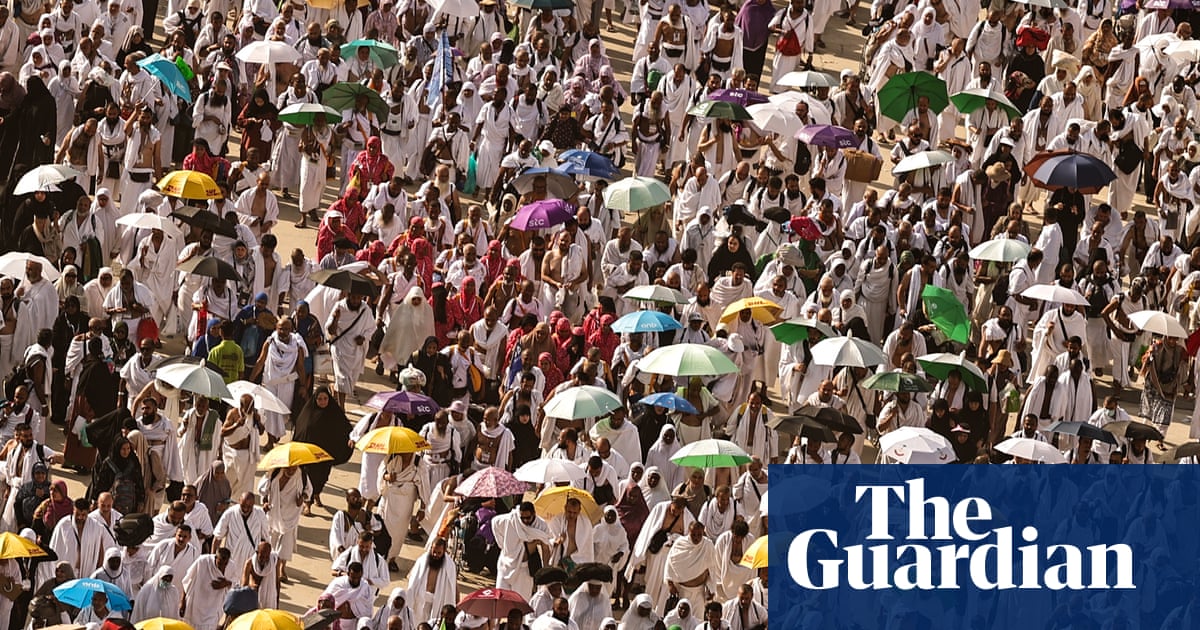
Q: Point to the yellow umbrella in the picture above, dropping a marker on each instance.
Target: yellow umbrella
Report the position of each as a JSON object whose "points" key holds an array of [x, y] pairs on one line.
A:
{"points": [[756, 556], [392, 440], [189, 185], [553, 501], [162, 623], [293, 454], [14, 546], [266, 619], [762, 309]]}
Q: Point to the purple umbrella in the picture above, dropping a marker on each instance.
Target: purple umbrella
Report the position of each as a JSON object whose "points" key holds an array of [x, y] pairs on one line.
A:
{"points": [[1169, 4], [540, 215], [737, 95], [402, 402], [828, 136]]}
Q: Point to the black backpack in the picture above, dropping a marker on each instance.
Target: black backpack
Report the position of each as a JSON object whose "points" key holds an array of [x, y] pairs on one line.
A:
{"points": [[19, 376]]}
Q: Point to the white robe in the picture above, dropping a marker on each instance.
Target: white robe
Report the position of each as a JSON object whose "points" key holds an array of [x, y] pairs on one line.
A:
{"points": [[425, 604], [154, 601], [283, 521], [512, 571], [348, 356], [204, 603], [241, 536], [84, 550], [583, 539], [1048, 343], [655, 563], [279, 375]]}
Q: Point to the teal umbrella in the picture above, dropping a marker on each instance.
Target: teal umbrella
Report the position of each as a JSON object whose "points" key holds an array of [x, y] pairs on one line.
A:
{"points": [[947, 313], [341, 96], [970, 100], [899, 95], [720, 109], [303, 114], [166, 71], [636, 193], [383, 55]]}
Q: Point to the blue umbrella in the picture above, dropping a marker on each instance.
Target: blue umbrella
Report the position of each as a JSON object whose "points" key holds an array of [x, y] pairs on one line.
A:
{"points": [[166, 71], [670, 401], [588, 164], [78, 593], [645, 321]]}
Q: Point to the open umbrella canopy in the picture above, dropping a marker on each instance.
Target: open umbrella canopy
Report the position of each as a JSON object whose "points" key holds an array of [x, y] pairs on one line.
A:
{"points": [[762, 309], [167, 72], [291, 454], [636, 193], [1188, 449], [584, 401], [209, 267], [264, 399], [268, 52], [266, 619], [491, 483], [1070, 169], [191, 185], [687, 359], [545, 4], [1158, 323], [78, 593], [194, 378], [149, 221], [404, 403], [667, 400], [756, 556], [44, 178], [807, 79], [1083, 429], [542, 215], [847, 351], [548, 471], [645, 321], [205, 220], [382, 54], [162, 623], [901, 92], [711, 453], [723, 110], [916, 445], [341, 96], [392, 440], [737, 95], [1134, 430], [1054, 292], [939, 365], [13, 265], [803, 426], [558, 185], [456, 8], [493, 603], [1032, 450], [831, 418], [553, 501], [655, 293], [1187, 51], [828, 136], [777, 118], [587, 164], [895, 381], [946, 312], [799, 328], [347, 281], [302, 114], [14, 546], [970, 100], [1003, 250], [922, 160]]}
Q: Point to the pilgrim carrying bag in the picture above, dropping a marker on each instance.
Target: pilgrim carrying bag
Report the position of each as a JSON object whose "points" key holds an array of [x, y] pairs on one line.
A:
{"points": [[1129, 156], [862, 166]]}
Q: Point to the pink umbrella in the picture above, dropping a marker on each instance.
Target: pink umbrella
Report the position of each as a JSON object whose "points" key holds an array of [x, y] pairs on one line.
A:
{"points": [[490, 483]]}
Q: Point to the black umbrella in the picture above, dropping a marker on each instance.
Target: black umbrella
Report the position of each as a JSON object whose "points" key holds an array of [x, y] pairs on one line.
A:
{"points": [[347, 281], [778, 214], [1133, 430], [804, 427], [1191, 449], [549, 575], [594, 571], [1083, 429], [831, 418], [205, 220], [319, 619], [209, 267], [133, 529]]}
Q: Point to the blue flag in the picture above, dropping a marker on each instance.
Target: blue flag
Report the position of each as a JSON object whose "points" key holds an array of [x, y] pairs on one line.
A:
{"points": [[443, 71]]}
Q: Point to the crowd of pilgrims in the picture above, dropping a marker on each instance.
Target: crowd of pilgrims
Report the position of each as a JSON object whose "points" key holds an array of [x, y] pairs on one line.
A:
{"points": [[491, 322]]}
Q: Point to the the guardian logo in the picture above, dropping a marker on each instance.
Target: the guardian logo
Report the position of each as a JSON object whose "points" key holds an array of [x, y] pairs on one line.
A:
{"points": [[937, 544]]}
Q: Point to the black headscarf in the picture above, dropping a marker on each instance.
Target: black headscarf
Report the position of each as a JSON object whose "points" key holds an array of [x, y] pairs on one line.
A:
{"points": [[327, 428], [437, 384], [723, 260], [39, 119], [98, 383]]}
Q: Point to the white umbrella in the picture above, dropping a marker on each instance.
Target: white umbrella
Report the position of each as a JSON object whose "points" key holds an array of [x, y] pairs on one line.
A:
{"points": [[1033, 450], [1158, 323], [788, 98], [1187, 50], [847, 351], [12, 265], [547, 471], [655, 293], [777, 118], [1156, 42], [1001, 250], [45, 178], [1055, 293], [263, 398], [457, 8], [922, 160], [268, 52], [195, 378], [807, 79], [916, 445], [150, 221], [585, 401]]}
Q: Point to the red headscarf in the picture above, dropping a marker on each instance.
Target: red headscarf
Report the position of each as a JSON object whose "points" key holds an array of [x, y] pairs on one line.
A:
{"points": [[372, 169], [605, 339], [465, 308]]}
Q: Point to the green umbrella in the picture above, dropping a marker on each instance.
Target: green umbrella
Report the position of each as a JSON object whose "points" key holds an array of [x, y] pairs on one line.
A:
{"points": [[585, 401], [303, 114], [896, 382], [900, 93], [940, 364], [636, 193], [710, 454], [341, 96], [687, 359], [947, 313], [797, 329], [970, 100], [383, 55], [720, 109]]}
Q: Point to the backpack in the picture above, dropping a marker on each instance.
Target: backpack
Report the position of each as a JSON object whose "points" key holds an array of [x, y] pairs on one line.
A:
{"points": [[124, 490], [19, 376]]}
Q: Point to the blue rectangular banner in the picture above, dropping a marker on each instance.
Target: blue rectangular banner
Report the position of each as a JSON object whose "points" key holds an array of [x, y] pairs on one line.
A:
{"points": [[984, 547]]}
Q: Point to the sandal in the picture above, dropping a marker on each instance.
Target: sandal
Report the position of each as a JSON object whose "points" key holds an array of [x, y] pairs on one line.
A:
{"points": [[306, 509]]}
